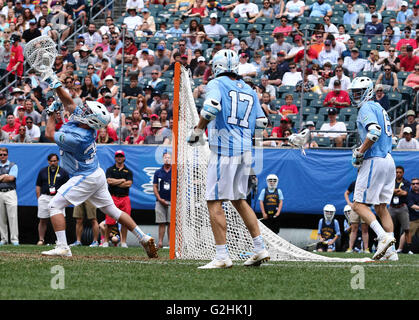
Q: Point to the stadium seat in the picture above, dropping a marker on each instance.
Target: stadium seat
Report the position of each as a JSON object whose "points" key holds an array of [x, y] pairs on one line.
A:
{"points": [[322, 141], [347, 113], [323, 113], [308, 110], [350, 126], [312, 117]]}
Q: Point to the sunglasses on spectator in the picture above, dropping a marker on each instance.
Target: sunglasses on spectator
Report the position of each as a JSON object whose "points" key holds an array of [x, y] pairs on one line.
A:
{"points": [[3, 154], [134, 128], [379, 90], [416, 69], [292, 67], [154, 73], [391, 50], [415, 183], [29, 122], [387, 69]]}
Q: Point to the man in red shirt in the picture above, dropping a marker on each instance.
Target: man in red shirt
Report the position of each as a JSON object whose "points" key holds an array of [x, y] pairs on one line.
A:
{"points": [[337, 98], [16, 57], [407, 39], [21, 118], [11, 126], [130, 50], [408, 62], [278, 132]]}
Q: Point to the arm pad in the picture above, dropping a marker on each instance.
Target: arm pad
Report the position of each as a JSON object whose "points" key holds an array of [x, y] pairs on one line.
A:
{"points": [[374, 132], [261, 123], [210, 109]]}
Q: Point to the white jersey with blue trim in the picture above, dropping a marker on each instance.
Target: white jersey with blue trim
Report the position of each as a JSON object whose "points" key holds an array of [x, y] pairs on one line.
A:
{"points": [[372, 112], [77, 148], [231, 132]]}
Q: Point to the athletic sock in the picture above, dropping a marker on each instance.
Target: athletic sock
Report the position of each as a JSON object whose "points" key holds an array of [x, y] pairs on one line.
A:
{"points": [[221, 252], [377, 228], [138, 233], [61, 237], [258, 243]]}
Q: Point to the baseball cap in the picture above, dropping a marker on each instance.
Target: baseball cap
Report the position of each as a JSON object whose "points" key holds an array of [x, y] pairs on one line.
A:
{"points": [[410, 113], [156, 93], [404, 4], [32, 21], [154, 116], [119, 152], [84, 48], [156, 124], [407, 130], [332, 111], [285, 119], [184, 56], [243, 54], [310, 123], [108, 95], [268, 48], [217, 42], [144, 51], [213, 15], [160, 47], [64, 47], [409, 48], [336, 83], [374, 15], [282, 53], [145, 10], [328, 42], [297, 37], [355, 49], [109, 77], [16, 90], [23, 108], [148, 87], [201, 58], [112, 42]]}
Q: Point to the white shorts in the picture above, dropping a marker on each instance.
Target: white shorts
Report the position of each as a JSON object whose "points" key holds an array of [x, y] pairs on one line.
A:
{"points": [[43, 202], [375, 182], [92, 187], [228, 177]]}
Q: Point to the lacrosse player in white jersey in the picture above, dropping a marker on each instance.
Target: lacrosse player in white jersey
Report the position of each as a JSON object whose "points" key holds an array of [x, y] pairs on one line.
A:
{"points": [[76, 140], [377, 172]]}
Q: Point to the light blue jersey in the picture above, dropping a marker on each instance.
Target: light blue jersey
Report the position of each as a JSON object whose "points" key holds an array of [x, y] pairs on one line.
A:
{"points": [[77, 148], [372, 112], [230, 134]]}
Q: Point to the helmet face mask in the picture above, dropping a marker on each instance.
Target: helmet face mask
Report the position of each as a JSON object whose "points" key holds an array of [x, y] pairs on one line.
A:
{"points": [[347, 212], [94, 114], [272, 181], [329, 211], [225, 60], [361, 90]]}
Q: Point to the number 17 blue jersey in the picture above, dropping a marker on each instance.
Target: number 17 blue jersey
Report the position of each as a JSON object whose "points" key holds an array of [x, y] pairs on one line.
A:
{"points": [[372, 112], [231, 132]]}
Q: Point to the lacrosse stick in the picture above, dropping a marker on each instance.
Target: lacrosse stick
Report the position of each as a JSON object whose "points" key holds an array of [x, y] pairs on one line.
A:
{"points": [[300, 139]]}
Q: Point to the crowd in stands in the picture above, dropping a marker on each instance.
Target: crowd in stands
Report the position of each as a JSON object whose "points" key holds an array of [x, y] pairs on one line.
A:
{"points": [[300, 57]]}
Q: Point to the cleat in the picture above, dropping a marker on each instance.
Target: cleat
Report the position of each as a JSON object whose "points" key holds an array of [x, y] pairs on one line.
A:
{"points": [[218, 264], [105, 245], [383, 244], [59, 250], [15, 243], [94, 244], [124, 245], [367, 251], [391, 255], [349, 251], [76, 244], [149, 246], [258, 258], [3, 242], [410, 252]]}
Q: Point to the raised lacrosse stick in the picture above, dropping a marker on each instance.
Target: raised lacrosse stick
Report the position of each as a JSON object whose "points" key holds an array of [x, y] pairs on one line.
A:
{"points": [[300, 139]]}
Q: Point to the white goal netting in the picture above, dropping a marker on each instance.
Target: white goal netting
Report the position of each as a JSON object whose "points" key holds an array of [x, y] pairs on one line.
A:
{"points": [[194, 238]]}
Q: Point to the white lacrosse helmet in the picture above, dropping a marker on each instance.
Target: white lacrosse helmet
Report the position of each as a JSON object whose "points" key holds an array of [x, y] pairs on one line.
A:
{"points": [[272, 181], [361, 90], [225, 60], [94, 114], [347, 211], [329, 211]]}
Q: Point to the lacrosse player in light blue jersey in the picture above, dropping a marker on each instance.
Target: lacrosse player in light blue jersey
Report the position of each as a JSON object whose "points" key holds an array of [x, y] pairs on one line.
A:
{"points": [[232, 112], [377, 172], [76, 140]]}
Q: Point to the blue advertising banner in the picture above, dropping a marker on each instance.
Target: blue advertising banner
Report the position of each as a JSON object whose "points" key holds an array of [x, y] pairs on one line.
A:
{"points": [[307, 182]]}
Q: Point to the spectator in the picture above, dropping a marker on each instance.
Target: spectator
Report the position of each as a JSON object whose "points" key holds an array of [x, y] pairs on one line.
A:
{"points": [[392, 5], [409, 62], [182, 5], [11, 126], [372, 63], [21, 136], [292, 77], [84, 58], [395, 33], [119, 178], [267, 11], [155, 137], [162, 191], [381, 97], [333, 125], [246, 69], [16, 58], [161, 59], [289, 107], [312, 143], [267, 105], [31, 33], [88, 210], [5, 107], [110, 84], [137, 4], [246, 9], [351, 45], [134, 137], [404, 13], [342, 37], [214, 30], [266, 87], [354, 221], [130, 50], [176, 30], [293, 9], [20, 117], [327, 54], [408, 142], [133, 21], [388, 79], [320, 9], [306, 85], [29, 111], [105, 70], [411, 123], [328, 231], [280, 44], [49, 180], [147, 17], [198, 9], [407, 40], [373, 28], [413, 205], [132, 91], [88, 89], [8, 199], [344, 80], [5, 53], [337, 98], [298, 46], [398, 206], [182, 50], [32, 130], [350, 17], [200, 69], [329, 27], [103, 136], [353, 64], [79, 10], [271, 201], [392, 60], [371, 10], [254, 41], [278, 132], [414, 18]]}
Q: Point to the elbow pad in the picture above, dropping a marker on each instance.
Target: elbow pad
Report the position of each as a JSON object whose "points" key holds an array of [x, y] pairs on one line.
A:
{"points": [[261, 123], [210, 109], [374, 132]]}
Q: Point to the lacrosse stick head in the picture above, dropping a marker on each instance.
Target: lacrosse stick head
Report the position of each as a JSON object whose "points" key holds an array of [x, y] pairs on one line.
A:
{"points": [[40, 53]]}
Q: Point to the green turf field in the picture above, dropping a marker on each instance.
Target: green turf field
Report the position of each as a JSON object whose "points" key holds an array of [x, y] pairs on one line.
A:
{"points": [[116, 273]]}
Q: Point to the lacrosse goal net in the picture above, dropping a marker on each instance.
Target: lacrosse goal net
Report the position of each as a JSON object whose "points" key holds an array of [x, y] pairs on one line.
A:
{"points": [[191, 236]]}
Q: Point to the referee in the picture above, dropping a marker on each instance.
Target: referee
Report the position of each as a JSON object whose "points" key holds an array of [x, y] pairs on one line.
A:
{"points": [[119, 179], [49, 180]]}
